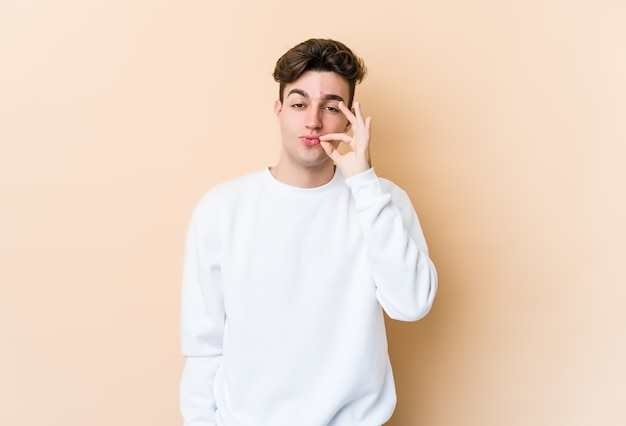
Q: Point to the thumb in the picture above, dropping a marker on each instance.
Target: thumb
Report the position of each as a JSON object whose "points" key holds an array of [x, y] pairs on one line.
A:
{"points": [[330, 150]]}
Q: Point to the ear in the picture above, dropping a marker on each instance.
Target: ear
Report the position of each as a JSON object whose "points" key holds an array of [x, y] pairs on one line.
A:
{"points": [[278, 106]]}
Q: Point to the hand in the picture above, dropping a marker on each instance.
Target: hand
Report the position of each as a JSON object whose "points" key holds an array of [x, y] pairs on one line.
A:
{"points": [[357, 160]]}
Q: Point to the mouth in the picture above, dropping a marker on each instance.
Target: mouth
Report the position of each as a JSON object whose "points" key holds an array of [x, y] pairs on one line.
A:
{"points": [[310, 140]]}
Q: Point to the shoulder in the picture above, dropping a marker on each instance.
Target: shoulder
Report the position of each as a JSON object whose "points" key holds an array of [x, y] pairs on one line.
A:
{"points": [[226, 193], [236, 187]]}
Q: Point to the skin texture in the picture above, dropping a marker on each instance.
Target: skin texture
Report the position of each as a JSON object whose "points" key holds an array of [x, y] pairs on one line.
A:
{"points": [[313, 121]]}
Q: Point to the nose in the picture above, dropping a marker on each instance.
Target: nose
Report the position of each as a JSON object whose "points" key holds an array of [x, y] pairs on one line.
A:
{"points": [[314, 118]]}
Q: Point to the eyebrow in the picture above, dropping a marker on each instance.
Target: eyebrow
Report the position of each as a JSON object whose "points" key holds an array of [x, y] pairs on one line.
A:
{"points": [[328, 97]]}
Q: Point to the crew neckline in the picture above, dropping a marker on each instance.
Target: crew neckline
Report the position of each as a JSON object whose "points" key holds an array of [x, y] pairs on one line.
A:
{"points": [[269, 178]]}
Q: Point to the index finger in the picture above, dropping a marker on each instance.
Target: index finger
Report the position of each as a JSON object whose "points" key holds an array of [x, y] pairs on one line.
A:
{"points": [[347, 112], [357, 111]]}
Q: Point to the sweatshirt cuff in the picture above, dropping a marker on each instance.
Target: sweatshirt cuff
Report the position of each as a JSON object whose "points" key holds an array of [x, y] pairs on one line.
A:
{"points": [[364, 183]]}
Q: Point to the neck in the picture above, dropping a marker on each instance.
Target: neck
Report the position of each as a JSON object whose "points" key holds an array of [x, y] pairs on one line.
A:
{"points": [[308, 177]]}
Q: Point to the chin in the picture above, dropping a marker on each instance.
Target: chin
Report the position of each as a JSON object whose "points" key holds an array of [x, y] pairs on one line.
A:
{"points": [[320, 164]]}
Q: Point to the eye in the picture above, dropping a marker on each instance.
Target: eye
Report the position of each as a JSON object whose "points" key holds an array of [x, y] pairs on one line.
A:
{"points": [[331, 108], [297, 106]]}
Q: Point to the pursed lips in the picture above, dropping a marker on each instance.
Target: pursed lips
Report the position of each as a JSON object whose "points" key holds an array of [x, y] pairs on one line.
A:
{"points": [[310, 140]]}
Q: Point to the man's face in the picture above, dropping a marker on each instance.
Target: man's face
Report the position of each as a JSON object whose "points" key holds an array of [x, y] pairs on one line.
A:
{"points": [[309, 110]]}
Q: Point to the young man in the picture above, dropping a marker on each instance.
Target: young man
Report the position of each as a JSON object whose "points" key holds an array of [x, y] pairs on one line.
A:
{"points": [[288, 270]]}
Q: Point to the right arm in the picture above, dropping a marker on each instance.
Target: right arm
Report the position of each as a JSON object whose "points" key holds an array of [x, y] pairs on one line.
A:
{"points": [[202, 318]]}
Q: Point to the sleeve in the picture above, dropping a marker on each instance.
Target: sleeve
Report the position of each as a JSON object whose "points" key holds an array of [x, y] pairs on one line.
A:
{"points": [[202, 318], [405, 277]]}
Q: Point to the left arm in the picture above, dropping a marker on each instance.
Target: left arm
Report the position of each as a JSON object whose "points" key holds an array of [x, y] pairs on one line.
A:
{"points": [[405, 277]]}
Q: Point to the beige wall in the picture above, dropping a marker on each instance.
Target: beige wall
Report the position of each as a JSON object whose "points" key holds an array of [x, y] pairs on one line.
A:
{"points": [[504, 120]]}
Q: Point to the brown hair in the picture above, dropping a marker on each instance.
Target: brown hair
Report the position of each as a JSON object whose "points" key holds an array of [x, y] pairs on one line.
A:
{"points": [[319, 55]]}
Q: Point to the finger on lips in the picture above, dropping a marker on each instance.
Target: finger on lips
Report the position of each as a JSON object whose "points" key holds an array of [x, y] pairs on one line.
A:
{"points": [[342, 137]]}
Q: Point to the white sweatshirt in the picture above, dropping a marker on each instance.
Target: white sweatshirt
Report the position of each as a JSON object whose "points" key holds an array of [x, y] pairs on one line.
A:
{"points": [[281, 302]]}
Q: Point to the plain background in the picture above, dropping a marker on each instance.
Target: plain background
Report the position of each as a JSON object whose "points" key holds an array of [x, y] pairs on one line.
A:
{"points": [[503, 120]]}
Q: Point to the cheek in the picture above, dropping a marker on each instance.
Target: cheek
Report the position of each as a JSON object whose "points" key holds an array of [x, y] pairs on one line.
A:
{"points": [[287, 122]]}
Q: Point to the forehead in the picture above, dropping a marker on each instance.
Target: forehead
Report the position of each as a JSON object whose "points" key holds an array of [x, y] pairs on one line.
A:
{"points": [[319, 84]]}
